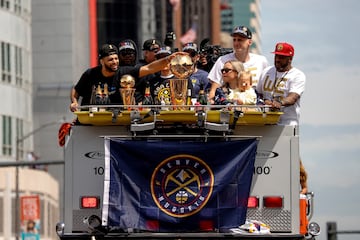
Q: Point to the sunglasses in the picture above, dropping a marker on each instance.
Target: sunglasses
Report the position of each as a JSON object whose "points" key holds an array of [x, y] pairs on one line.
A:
{"points": [[124, 53], [162, 55], [155, 50], [227, 70]]}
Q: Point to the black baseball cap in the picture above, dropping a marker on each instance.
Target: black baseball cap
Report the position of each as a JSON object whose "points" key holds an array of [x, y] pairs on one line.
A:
{"points": [[107, 50], [190, 46], [164, 51], [126, 44], [242, 31], [150, 44]]}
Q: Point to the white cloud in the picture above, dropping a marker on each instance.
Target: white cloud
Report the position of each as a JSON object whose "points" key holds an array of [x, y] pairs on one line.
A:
{"points": [[331, 97], [331, 158], [333, 143], [329, 176]]}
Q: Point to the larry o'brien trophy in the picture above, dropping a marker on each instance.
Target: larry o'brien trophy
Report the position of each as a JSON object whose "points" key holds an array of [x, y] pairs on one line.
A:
{"points": [[182, 67], [127, 90]]}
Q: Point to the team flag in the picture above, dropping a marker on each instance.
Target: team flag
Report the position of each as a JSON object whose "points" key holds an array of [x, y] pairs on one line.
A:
{"points": [[170, 186]]}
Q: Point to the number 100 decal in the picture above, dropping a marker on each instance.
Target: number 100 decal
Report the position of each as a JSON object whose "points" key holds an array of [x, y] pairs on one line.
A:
{"points": [[262, 170]]}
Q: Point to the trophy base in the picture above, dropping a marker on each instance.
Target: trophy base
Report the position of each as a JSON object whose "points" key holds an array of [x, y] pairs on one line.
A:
{"points": [[178, 90]]}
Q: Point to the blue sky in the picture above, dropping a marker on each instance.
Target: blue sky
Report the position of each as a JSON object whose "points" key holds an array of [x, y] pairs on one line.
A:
{"points": [[326, 38]]}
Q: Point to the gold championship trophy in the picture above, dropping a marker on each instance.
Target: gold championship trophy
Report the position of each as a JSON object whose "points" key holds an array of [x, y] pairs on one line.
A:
{"points": [[127, 90], [182, 67]]}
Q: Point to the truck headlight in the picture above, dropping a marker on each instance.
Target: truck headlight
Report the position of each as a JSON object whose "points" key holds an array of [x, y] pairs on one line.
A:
{"points": [[314, 229], [60, 227]]}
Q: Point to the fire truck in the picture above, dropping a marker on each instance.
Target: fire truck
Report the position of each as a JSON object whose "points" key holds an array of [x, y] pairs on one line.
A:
{"points": [[273, 199]]}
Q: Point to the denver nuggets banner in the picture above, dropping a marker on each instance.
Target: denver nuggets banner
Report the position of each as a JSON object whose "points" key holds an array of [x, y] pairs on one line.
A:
{"points": [[169, 186]]}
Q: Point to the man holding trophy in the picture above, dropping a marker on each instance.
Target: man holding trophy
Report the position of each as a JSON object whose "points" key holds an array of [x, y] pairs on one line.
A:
{"points": [[109, 55]]}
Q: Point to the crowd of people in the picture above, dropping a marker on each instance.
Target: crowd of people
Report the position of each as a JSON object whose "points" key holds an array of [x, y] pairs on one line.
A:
{"points": [[239, 77]]}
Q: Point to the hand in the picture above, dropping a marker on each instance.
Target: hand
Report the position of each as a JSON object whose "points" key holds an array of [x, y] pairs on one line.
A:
{"points": [[304, 190], [74, 106], [173, 55], [211, 101], [276, 104], [238, 101], [268, 102]]}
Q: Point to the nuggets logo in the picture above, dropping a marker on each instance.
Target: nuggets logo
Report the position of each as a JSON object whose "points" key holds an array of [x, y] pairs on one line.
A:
{"points": [[165, 94], [181, 185]]}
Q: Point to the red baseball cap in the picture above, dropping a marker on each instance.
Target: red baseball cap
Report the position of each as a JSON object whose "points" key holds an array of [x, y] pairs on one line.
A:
{"points": [[284, 49]]}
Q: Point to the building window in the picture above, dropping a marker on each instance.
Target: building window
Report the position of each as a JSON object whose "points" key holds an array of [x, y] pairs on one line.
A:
{"points": [[7, 135], [18, 66], [5, 62], [17, 6], [5, 4]]}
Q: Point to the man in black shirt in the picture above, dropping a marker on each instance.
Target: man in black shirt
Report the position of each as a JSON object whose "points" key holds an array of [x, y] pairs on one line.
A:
{"points": [[108, 75], [96, 78]]}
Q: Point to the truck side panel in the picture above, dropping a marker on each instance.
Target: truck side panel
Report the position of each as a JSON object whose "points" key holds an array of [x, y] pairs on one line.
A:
{"points": [[276, 173]]}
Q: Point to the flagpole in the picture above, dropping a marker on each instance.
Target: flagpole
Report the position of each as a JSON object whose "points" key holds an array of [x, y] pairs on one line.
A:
{"points": [[19, 140]]}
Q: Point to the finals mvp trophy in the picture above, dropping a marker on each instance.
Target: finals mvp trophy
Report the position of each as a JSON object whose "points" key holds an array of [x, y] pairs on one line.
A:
{"points": [[127, 90], [182, 67]]}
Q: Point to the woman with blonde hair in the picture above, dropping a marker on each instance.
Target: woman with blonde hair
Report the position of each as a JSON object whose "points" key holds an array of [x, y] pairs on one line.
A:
{"points": [[237, 88], [231, 73]]}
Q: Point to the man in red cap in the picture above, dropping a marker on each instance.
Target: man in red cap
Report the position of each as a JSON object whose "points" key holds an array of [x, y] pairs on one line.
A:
{"points": [[282, 85]]}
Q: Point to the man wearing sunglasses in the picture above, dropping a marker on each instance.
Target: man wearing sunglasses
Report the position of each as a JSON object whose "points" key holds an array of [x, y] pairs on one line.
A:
{"points": [[150, 48], [127, 53], [242, 40]]}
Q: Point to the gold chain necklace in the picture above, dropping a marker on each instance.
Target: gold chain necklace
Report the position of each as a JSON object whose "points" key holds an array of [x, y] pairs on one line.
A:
{"points": [[277, 82]]}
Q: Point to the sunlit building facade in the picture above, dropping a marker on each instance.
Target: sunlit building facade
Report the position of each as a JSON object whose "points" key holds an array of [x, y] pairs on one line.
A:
{"points": [[16, 120], [246, 13]]}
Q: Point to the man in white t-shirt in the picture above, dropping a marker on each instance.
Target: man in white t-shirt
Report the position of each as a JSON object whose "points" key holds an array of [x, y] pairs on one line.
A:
{"points": [[242, 40], [282, 85]]}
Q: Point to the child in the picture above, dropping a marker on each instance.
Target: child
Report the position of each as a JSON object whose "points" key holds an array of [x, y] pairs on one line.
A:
{"points": [[244, 94]]}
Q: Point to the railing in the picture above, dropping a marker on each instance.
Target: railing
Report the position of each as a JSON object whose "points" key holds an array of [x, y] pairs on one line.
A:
{"points": [[332, 231], [126, 115]]}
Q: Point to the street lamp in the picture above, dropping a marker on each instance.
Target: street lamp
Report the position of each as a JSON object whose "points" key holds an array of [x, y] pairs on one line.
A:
{"points": [[17, 158]]}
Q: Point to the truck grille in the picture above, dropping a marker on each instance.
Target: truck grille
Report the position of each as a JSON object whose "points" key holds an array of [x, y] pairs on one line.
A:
{"points": [[279, 220]]}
